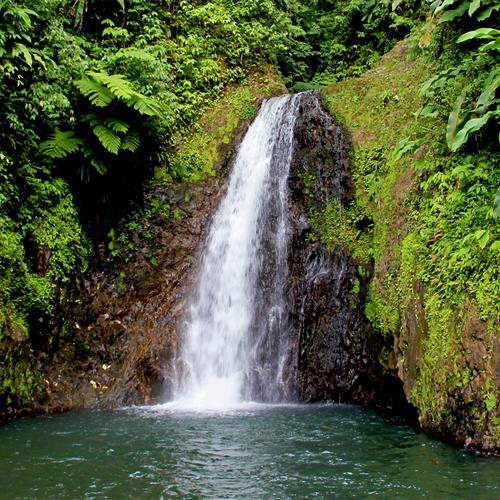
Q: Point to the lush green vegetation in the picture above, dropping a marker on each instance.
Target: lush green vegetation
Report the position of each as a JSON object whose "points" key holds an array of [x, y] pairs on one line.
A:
{"points": [[426, 211], [342, 38]]}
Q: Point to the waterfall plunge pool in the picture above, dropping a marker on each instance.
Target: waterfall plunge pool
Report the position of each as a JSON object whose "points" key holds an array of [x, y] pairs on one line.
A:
{"points": [[251, 451]]}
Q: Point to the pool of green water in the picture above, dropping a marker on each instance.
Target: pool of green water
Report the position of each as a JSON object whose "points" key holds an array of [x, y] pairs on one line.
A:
{"points": [[255, 451]]}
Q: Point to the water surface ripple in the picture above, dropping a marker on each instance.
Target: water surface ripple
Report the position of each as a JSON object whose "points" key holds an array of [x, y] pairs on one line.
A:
{"points": [[253, 451]]}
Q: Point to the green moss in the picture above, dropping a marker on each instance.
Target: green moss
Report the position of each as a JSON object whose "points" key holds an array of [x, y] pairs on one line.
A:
{"points": [[197, 156], [430, 392], [334, 225]]}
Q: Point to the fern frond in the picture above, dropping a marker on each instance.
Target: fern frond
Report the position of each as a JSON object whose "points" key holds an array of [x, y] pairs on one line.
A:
{"points": [[116, 125], [108, 138], [98, 165], [60, 145], [98, 94], [146, 106], [135, 53], [131, 141], [118, 85]]}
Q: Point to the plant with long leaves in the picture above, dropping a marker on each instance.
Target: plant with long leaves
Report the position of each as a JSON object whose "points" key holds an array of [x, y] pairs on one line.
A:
{"points": [[463, 124]]}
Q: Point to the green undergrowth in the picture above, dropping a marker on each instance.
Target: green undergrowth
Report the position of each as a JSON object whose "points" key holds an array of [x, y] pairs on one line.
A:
{"points": [[428, 228]]}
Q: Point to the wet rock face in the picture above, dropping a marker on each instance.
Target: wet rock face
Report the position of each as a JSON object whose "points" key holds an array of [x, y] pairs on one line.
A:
{"points": [[335, 357]]}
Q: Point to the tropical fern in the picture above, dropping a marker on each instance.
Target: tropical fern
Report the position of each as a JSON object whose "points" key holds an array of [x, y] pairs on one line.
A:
{"points": [[146, 106], [131, 141], [97, 164], [97, 93], [117, 125], [118, 85], [102, 89], [114, 134], [108, 138], [60, 145]]}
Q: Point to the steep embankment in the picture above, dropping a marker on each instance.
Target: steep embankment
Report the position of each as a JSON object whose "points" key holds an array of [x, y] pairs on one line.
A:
{"points": [[419, 217]]}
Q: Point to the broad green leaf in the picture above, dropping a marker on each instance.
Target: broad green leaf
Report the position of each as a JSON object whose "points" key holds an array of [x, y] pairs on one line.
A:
{"points": [[449, 15], [428, 111], [485, 14], [487, 96], [443, 6], [122, 4], [440, 79], [482, 33], [475, 4], [80, 5], [471, 126], [493, 45], [453, 120]]}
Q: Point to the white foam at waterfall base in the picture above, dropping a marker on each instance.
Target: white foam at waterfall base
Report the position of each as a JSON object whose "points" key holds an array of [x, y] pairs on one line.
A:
{"points": [[216, 355]]}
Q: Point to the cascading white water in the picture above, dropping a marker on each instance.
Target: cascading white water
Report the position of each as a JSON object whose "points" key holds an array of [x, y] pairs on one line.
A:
{"points": [[216, 355]]}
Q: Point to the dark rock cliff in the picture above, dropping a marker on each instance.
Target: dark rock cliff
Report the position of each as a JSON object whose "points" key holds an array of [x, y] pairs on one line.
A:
{"points": [[337, 358]]}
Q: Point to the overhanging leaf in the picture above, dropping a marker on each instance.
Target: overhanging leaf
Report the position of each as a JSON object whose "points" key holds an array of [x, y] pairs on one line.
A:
{"points": [[131, 141], [118, 85], [443, 5], [482, 33], [486, 13], [97, 93], [453, 14], [487, 96], [475, 4], [471, 126], [116, 125], [453, 120], [493, 45], [146, 106]]}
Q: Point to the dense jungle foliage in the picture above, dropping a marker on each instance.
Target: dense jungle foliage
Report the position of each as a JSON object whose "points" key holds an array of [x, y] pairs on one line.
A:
{"points": [[96, 95]]}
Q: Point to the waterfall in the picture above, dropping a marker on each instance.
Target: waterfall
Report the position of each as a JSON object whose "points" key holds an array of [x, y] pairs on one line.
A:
{"points": [[234, 346]]}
